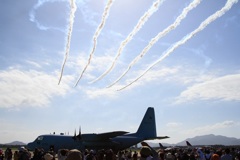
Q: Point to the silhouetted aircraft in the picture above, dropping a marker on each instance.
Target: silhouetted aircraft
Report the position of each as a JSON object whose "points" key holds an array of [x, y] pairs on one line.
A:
{"points": [[188, 144], [161, 146], [116, 140]]}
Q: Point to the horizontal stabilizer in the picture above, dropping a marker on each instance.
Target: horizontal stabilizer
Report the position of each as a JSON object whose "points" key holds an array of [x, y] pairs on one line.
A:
{"points": [[162, 137]]}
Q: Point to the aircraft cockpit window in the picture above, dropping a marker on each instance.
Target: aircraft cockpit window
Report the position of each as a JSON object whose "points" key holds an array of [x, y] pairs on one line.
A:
{"points": [[40, 138]]}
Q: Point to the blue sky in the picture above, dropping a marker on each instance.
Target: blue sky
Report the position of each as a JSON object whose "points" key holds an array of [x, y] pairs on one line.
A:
{"points": [[195, 90]]}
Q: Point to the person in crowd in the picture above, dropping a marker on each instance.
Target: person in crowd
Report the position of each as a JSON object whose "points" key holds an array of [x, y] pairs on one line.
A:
{"points": [[1, 154], [110, 155], [227, 155], [177, 156], [52, 151], [15, 155], [128, 155], [200, 154], [91, 155], [162, 155], [215, 157], [48, 156], [24, 154], [135, 155], [192, 155], [37, 154], [100, 154], [233, 153], [8, 154], [74, 154], [62, 154], [153, 153], [145, 153], [121, 155], [219, 152], [86, 152], [237, 157], [208, 154], [185, 155]]}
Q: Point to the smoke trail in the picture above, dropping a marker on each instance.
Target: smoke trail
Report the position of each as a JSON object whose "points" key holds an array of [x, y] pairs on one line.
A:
{"points": [[204, 24], [160, 35], [70, 27], [139, 25], [100, 27]]}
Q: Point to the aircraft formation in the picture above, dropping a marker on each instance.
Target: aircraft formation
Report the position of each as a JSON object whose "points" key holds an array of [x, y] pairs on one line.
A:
{"points": [[116, 140]]}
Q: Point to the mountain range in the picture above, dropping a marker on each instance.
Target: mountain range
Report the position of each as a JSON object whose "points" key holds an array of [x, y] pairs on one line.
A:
{"points": [[203, 140], [210, 139], [15, 143]]}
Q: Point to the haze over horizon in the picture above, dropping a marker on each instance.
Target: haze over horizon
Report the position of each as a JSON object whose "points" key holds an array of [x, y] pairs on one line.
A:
{"points": [[181, 59]]}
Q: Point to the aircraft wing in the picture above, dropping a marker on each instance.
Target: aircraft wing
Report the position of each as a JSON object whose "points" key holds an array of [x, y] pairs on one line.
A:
{"points": [[108, 135]]}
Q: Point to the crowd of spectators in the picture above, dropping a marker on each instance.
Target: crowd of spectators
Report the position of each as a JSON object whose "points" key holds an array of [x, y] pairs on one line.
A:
{"points": [[21, 154], [145, 153]]}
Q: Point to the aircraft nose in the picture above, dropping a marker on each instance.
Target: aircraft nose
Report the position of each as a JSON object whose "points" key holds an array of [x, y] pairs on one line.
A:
{"points": [[30, 146]]}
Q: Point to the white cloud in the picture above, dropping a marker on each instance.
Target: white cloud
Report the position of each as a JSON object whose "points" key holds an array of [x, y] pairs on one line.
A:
{"points": [[104, 92], [94, 91], [34, 64], [224, 88], [32, 15], [157, 76], [29, 88], [88, 14], [151, 76]]}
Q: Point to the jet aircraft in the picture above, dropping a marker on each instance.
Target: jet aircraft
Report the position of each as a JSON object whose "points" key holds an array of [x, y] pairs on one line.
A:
{"points": [[116, 140]]}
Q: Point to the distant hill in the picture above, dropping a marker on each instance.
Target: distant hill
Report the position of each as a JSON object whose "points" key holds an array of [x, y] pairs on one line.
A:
{"points": [[211, 139], [16, 143]]}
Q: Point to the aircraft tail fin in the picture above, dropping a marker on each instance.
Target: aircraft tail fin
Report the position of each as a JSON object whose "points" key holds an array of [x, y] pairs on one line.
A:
{"points": [[147, 128], [161, 146], [188, 144]]}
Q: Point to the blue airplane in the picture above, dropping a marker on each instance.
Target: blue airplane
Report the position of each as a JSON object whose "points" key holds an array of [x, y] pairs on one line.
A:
{"points": [[116, 140]]}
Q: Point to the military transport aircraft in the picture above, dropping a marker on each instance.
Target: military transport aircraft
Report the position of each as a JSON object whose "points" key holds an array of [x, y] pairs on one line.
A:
{"points": [[116, 140]]}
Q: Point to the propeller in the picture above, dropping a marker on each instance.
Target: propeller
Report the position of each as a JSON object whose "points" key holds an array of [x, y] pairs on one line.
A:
{"points": [[77, 137], [74, 137]]}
